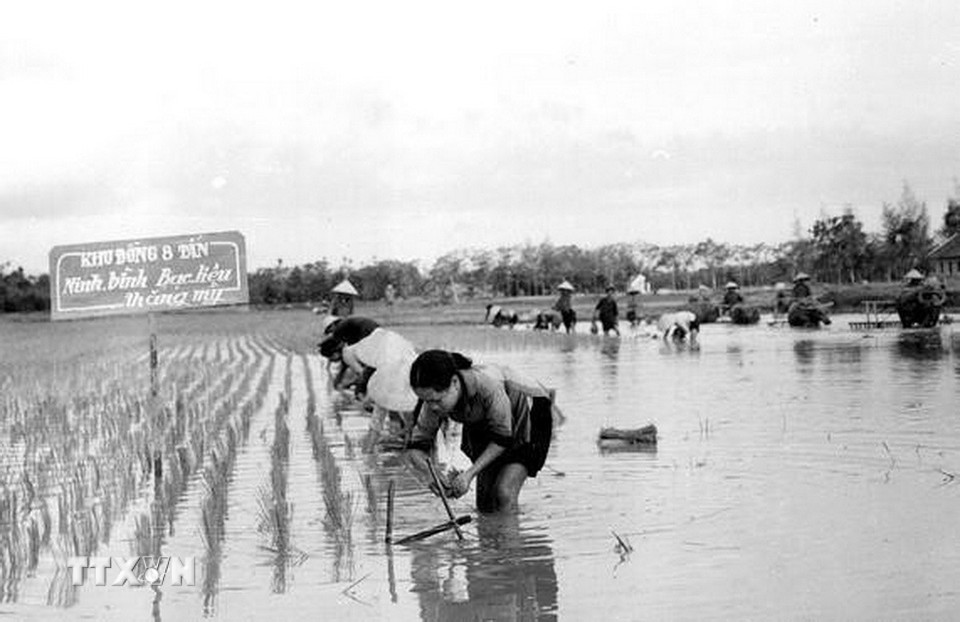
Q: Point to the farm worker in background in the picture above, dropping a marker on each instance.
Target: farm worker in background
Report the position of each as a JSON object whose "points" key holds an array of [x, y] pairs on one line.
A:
{"points": [[633, 312], [338, 332], [703, 293], [379, 360], [389, 294], [678, 325], [343, 296], [607, 312], [507, 424], [565, 306], [914, 278], [801, 286], [781, 301], [731, 297]]}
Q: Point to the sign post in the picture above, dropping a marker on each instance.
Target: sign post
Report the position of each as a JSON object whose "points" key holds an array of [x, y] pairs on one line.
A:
{"points": [[148, 276]]}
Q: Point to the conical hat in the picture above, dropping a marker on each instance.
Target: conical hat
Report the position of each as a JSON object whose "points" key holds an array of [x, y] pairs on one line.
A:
{"points": [[731, 285], [913, 274], [565, 285], [345, 287], [801, 276]]}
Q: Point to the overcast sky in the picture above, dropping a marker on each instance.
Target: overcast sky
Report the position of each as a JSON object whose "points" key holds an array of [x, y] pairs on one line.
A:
{"points": [[407, 129]]}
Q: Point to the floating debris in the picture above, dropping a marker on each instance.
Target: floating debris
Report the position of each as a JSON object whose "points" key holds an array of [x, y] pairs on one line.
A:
{"points": [[647, 435]]}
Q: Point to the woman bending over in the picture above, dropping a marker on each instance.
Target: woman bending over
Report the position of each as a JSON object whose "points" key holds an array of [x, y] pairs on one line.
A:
{"points": [[507, 424]]}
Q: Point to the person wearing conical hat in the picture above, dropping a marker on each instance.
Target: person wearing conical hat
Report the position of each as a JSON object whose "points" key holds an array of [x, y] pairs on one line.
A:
{"points": [[343, 296], [731, 297], [565, 306], [801, 286], [914, 278]]}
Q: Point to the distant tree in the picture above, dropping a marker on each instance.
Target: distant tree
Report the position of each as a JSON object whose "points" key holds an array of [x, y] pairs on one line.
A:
{"points": [[265, 286], [951, 218], [22, 293], [371, 280], [839, 244], [799, 252], [906, 238], [713, 255]]}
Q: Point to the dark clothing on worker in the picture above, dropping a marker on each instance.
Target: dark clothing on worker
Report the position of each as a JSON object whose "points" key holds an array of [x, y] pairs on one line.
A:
{"points": [[801, 290], [732, 297], [496, 406], [347, 331], [782, 301], [608, 313], [565, 306], [352, 329]]}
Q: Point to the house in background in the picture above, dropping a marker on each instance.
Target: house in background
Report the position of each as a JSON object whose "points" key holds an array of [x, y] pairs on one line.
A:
{"points": [[944, 259]]}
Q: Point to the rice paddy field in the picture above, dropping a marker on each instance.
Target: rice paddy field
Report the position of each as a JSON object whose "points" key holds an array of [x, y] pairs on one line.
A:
{"points": [[799, 475]]}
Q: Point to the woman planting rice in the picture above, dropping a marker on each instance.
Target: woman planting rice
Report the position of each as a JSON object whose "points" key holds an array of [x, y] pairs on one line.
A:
{"points": [[378, 360], [507, 424]]}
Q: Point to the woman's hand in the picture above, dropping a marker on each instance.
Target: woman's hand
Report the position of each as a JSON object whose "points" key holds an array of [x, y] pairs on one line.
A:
{"points": [[460, 483]]}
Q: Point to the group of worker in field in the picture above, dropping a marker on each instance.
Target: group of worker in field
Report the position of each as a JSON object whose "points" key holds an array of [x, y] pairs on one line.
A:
{"points": [[507, 419]]}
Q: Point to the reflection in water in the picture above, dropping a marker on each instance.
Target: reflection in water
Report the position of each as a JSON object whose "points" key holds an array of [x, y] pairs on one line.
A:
{"points": [[508, 575], [804, 350], [923, 345], [610, 347], [649, 449], [676, 346], [569, 343]]}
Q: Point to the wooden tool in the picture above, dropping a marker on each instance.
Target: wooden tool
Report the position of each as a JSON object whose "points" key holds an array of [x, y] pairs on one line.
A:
{"points": [[443, 497], [426, 533]]}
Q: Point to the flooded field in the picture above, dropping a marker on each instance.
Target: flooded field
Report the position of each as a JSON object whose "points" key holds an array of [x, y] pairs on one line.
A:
{"points": [[800, 474]]}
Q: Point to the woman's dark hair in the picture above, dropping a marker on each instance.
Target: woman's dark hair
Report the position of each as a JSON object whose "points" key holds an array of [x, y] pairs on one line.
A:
{"points": [[434, 369], [330, 346]]}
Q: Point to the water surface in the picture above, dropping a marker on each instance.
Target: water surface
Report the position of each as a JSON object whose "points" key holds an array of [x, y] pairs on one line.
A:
{"points": [[800, 474]]}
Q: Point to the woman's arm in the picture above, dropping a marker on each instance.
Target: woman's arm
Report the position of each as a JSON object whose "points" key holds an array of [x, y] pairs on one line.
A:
{"points": [[350, 359], [421, 440]]}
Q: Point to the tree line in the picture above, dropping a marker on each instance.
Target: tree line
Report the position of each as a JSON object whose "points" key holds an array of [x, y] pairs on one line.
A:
{"points": [[835, 249]]}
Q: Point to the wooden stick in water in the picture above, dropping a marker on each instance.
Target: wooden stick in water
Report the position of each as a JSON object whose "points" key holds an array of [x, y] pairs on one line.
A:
{"points": [[426, 533], [390, 491], [443, 497]]}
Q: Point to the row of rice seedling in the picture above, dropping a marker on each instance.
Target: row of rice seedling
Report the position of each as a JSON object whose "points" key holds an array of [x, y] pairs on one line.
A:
{"points": [[84, 438], [92, 452], [339, 503], [275, 509], [215, 481], [57, 485], [220, 422], [149, 524]]}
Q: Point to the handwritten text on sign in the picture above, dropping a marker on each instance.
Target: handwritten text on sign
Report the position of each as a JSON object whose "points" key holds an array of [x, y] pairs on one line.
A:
{"points": [[154, 274]]}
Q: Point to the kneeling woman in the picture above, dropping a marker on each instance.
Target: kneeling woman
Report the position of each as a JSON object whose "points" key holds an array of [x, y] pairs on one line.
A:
{"points": [[507, 424]]}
